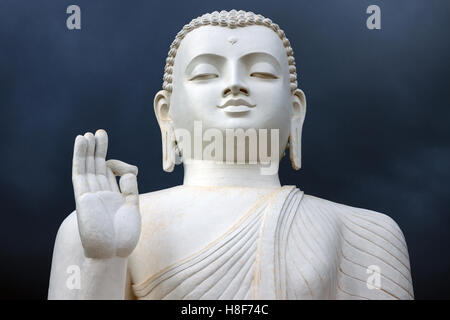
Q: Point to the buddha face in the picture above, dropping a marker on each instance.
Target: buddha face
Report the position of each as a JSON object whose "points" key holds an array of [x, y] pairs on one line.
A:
{"points": [[232, 78]]}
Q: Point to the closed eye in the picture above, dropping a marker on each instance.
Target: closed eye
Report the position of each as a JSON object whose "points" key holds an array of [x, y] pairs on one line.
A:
{"points": [[204, 76], [263, 75]]}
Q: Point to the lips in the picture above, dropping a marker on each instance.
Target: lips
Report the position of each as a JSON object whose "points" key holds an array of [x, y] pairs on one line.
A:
{"points": [[236, 106]]}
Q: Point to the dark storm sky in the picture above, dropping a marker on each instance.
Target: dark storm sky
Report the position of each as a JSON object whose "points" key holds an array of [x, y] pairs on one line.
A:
{"points": [[376, 134]]}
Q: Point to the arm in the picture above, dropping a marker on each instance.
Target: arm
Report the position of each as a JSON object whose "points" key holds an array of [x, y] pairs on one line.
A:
{"points": [[375, 252], [74, 276], [93, 244]]}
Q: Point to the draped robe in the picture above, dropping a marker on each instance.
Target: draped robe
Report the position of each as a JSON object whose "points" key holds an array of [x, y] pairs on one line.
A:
{"points": [[292, 246]]}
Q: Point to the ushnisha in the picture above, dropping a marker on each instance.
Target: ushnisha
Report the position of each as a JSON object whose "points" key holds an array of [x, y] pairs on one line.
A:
{"points": [[229, 232]]}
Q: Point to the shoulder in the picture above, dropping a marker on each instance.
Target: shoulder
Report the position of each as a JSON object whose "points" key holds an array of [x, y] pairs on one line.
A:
{"points": [[370, 242], [68, 230], [68, 240], [350, 217], [160, 208], [159, 199], [376, 222], [162, 194]]}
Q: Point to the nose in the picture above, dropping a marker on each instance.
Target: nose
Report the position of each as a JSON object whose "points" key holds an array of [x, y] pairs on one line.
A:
{"points": [[235, 85]]}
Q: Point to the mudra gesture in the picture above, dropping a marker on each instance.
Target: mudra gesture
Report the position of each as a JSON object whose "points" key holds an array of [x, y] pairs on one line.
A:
{"points": [[229, 232]]}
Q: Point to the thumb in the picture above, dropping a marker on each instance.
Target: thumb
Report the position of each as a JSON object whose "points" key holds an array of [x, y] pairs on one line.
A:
{"points": [[128, 180], [129, 188]]}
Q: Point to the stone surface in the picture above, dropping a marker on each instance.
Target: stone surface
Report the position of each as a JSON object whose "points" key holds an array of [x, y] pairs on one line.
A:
{"points": [[231, 231]]}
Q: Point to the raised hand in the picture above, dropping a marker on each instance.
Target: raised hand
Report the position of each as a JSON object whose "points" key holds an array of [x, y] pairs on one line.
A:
{"points": [[109, 221]]}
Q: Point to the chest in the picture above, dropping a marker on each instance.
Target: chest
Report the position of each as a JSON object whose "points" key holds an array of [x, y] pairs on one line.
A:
{"points": [[177, 228]]}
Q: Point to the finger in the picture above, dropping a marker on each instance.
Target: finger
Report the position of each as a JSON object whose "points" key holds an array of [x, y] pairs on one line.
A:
{"points": [[128, 187], [120, 168], [80, 185], [90, 164], [112, 182], [101, 148], [79, 156], [79, 182]]}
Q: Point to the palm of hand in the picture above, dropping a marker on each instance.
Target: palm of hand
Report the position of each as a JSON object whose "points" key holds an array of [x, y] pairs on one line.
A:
{"points": [[108, 218]]}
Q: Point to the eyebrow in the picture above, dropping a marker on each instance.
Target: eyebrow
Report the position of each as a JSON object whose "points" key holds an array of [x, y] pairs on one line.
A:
{"points": [[267, 57], [202, 57], [251, 55]]}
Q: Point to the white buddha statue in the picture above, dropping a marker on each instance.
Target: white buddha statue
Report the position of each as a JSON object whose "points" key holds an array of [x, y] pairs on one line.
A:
{"points": [[231, 231]]}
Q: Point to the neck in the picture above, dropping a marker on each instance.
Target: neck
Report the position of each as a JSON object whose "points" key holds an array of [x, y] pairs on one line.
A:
{"points": [[212, 174]]}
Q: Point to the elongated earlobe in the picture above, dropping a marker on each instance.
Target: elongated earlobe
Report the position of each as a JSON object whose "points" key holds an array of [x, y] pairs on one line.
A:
{"points": [[295, 137], [168, 148], [161, 105]]}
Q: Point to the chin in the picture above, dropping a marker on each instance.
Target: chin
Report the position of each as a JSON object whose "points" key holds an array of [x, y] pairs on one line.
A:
{"points": [[245, 122]]}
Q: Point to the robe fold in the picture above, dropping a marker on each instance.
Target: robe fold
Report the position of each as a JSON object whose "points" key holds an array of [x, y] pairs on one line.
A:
{"points": [[293, 246]]}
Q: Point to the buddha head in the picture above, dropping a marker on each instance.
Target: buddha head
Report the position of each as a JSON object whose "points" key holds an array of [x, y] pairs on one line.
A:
{"points": [[229, 70]]}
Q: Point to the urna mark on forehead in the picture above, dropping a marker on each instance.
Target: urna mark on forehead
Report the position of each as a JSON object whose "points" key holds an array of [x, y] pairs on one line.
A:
{"points": [[230, 44]]}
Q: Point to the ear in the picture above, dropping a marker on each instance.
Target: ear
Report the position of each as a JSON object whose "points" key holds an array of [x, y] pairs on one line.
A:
{"points": [[297, 119], [161, 104]]}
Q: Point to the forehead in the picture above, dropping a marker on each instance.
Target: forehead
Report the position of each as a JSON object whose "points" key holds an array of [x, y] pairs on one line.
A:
{"points": [[230, 43]]}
